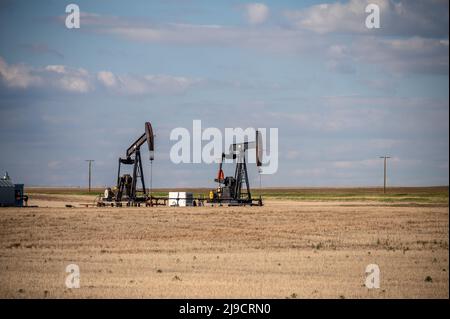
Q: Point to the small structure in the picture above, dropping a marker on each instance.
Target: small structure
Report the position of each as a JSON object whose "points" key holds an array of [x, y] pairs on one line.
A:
{"points": [[181, 199], [11, 194]]}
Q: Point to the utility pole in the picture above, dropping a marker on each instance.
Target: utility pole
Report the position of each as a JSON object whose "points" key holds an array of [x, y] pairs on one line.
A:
{"points": [[90, 162], [385, 163]]}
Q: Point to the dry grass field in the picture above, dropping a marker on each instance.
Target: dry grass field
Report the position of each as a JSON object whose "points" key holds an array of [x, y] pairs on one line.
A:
{"points": [[301, 244]]}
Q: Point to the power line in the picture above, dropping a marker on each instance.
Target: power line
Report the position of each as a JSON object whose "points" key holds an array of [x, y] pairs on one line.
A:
{"points": [[90, 169], [385, 177]]}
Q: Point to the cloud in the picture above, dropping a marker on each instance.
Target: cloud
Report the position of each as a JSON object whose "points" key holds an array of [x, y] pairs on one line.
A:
{"points": [[356, 116], [18, 75], [79, 80], [148, 84], [332, 119], [410, 55], [256, 13], [21, 76], [108, 79], [340, 59], [275, 38], [40, 48], [407, 54], [401, 18], [67, 79], [399, 55]]}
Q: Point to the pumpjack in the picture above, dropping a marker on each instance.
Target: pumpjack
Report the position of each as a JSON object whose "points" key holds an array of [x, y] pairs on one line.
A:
{"points": [[235, 190], [126, 189]]}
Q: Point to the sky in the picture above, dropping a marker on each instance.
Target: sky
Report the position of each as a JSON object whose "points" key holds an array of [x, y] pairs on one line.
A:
{"points": [[340, 94]]}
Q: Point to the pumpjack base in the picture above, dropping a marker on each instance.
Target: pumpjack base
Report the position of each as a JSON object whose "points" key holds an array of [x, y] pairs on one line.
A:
{"points": [[137, 203], [235, 202], [151, 201]]}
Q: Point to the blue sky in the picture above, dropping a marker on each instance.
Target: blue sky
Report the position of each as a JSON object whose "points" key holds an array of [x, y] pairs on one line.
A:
{"points": [[339, 93]]}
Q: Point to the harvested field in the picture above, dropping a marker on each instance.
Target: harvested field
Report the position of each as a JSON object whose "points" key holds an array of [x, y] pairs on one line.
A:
{"points": [[317, 248]]}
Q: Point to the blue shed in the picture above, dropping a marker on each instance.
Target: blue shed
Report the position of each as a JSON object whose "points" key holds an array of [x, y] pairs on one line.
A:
{"points": [[7, 193], [10, 194]]}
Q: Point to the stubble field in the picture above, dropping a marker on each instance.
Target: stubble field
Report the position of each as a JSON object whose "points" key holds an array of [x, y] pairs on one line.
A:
{"points": [[293, 247]]}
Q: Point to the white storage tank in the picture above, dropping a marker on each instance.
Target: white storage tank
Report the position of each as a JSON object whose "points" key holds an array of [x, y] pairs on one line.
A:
{"points": [[181, 199]]}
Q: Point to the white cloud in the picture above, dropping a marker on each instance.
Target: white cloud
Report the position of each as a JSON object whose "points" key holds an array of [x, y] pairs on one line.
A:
{"points": [[399, 55], [18, 75], [68, 79], [256, 13], [404, 18], [61, 69], [416, 54], [21, 76], [147, 84], [171, 33], [79, 80], [274, 40], [334, 17], [107, 78]]}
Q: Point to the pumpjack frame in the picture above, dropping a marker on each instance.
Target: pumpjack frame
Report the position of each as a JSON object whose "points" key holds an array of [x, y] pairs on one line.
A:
{"points": [[235, 191]]}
